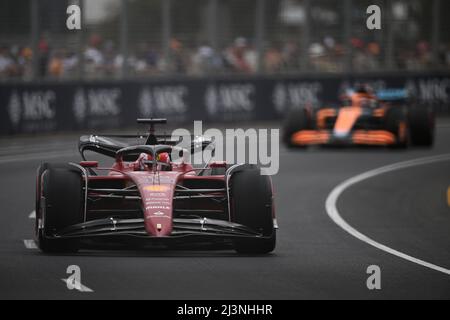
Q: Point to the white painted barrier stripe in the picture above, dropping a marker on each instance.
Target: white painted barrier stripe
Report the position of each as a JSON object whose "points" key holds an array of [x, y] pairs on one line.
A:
{"points": [[333, 213], [37, 156], [32, 215]]}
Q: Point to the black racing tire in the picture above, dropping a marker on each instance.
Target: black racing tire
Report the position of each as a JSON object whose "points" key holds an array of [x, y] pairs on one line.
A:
{"points": [[422, 125], [61, 187], [295, 121], [396, 117], [220, 171], [251, 206], [215, 171]]}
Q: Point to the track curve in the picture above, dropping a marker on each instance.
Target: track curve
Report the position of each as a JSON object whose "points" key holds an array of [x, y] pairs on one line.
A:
{"points": [[314, 257], [397, 206]]}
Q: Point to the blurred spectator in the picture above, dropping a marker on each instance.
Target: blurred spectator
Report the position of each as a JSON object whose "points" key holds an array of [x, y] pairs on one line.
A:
{"points": [[359, 60], [424, 55], [56, 65], [239, 57], [291, 56], [93, 56], [373, 51], [102, 59], [6, 64], [24, 62], [62, 64], [175, 61], [273, 60], [70, 63], [108, 62], [146, 60], [206, 61], [447, 57], [366, 58], [316, 53], [43, 56]]}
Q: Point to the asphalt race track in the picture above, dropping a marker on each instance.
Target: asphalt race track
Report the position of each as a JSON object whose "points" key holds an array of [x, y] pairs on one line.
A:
{"points": [[405, 210]]}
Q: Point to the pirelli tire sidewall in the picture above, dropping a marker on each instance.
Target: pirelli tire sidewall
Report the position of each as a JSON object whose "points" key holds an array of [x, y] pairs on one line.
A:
{"points": [[296, 120], [422, 123], [59, 204], [252, 206], [396, 122]]}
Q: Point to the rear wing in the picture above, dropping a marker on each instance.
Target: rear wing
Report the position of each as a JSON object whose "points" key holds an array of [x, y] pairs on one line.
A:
{"points": [[108, 145]]}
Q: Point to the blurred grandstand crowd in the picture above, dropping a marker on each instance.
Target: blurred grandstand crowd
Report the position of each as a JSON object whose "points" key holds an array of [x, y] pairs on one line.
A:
{"points": [[102, 59]]}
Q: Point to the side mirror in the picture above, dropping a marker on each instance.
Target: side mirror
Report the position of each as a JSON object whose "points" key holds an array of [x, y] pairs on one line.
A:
{"points": [[89, 164]]}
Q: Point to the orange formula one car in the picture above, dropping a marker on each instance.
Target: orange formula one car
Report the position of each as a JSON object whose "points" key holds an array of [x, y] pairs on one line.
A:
{"points": [[386, 118]]}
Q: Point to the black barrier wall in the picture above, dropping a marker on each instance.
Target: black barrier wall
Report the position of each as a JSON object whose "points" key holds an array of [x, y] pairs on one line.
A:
{"points": [[50, 107]]}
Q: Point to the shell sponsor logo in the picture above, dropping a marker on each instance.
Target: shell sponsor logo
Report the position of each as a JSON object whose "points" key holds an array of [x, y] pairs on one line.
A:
{"points": [[156, 188]]}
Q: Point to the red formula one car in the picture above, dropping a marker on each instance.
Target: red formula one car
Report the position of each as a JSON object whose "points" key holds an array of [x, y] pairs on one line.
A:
{"points": [[147, 199], [384, 119]]}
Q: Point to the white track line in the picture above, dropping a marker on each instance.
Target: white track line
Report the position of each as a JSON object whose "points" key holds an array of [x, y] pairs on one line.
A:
{"points": [[30, 244], [333, 212], [82, 288], [28, 144]]}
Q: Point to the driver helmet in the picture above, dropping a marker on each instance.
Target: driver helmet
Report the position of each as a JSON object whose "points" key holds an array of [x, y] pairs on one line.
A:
{"points": [[363, 89], [139, 164], [163, 157], [363, 96]]}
